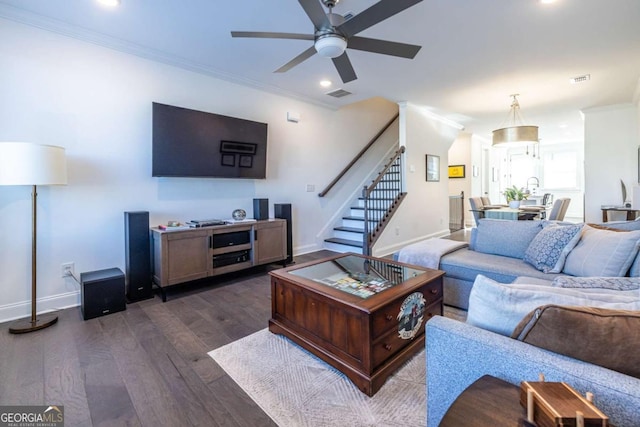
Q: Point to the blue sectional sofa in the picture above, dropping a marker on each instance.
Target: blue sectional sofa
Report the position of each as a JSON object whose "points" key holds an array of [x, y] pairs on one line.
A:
{"points": [[458, 354], [496, 250]]}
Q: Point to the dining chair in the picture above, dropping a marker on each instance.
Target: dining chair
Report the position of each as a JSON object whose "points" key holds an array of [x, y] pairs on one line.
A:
{"points": [[559, 209], [476, 207], [565, 207]]}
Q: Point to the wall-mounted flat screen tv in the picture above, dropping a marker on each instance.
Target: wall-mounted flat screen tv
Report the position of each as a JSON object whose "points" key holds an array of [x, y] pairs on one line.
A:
{"points": [[190, 143]]}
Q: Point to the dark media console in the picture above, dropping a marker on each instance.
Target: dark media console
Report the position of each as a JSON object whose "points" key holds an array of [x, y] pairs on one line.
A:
{"points": [[184, 255]]}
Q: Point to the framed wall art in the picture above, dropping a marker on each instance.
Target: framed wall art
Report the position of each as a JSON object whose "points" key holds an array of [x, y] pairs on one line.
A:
{"points": [[433, 167], [228, 159], [245, 161], [456, 171]]}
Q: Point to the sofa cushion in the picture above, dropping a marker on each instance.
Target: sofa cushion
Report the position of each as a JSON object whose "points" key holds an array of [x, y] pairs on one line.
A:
{"points": [[620, 225], [467, 264], [604, 337], [615, 283], [549, 248], [500, 307], [602, 253], [506, 238]]}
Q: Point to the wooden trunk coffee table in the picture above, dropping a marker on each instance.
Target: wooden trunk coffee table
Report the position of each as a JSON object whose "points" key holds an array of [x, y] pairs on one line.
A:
{"points": [[364, 316]]}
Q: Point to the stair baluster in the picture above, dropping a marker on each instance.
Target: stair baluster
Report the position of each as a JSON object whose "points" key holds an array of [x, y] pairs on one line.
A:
{"points": [[381, 199]]}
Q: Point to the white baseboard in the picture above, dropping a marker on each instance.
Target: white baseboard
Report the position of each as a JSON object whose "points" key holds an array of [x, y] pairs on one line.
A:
{"points": [[301, 250], [22, 309]]}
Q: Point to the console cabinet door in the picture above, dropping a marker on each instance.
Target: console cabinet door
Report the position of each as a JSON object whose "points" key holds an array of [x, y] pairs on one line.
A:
{"points": [[270, 241], [187, 256]]}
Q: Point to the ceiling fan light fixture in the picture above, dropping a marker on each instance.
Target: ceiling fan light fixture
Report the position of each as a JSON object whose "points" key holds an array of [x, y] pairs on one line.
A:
{"points": [[330, 45]]}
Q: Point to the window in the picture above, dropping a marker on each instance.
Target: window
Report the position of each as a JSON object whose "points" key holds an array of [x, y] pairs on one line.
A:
{"points": [[522, 167], [560, 170]]}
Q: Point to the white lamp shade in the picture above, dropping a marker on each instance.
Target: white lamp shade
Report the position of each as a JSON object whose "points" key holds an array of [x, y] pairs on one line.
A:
{"points": [[24, 163], [330, 46]]}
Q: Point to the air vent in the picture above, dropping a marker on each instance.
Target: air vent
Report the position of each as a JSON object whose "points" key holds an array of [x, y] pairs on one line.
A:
{"points": [[339, 93], [580, 79], [348, 16]]}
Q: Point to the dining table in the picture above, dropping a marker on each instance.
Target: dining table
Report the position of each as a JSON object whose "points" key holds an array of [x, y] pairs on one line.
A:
{"points": [[524, 212]]}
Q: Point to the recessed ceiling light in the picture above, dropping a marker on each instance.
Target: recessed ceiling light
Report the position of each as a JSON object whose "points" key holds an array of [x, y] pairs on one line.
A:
{"points": [[325, 83], [110, 3], [547, 1]]}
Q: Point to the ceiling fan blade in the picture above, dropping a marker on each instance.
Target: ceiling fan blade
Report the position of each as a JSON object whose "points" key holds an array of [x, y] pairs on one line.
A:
{"points": [[375, 14], [297, 60], [316, 13], [344, 67], [385, 47], [268, 35]]}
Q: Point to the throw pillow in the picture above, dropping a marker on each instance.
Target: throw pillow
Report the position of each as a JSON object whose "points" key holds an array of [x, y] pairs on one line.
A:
{"points": [[602, 253], [615, 283], [549, 249], [506, 238], [622, 226], [608, 338], [499, 307]]}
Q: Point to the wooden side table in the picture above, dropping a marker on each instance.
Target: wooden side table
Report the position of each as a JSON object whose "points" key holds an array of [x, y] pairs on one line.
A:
{"points": [[487, 402], [632, 214]]}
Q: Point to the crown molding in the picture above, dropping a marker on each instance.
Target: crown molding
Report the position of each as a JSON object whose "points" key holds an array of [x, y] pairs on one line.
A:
{"points": [[25, 17]]}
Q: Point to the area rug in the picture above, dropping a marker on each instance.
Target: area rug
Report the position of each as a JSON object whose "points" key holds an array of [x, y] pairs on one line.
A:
{"points": [[297, 389]]}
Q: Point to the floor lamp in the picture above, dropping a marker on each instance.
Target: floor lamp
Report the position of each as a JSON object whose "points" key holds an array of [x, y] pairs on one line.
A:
{"points": [[23, 163]]}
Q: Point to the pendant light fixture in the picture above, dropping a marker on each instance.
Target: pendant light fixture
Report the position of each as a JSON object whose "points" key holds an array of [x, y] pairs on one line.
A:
{"points": [[516, 134]]}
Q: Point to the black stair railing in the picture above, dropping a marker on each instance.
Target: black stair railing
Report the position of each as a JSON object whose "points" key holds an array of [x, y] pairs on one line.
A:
{"points": [[381, 199]]}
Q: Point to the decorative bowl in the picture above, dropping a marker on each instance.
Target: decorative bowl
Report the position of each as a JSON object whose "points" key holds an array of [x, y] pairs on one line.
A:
{"points": [[239, 214]]}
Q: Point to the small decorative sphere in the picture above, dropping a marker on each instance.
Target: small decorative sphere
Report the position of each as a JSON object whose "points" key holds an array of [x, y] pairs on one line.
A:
{"points": [[239, 214]]}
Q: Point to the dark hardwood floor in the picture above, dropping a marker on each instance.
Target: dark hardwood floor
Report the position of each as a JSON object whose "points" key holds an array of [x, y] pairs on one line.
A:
{"points": [[147, 365]]}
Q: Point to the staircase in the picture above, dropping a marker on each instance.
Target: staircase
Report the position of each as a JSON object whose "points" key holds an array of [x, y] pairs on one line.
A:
{"points": [[370, 213]]}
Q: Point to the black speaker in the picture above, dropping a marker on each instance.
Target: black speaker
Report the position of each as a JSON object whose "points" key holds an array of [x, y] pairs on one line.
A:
{"points": [[261, 209], [102, 292], [137, 255], [283, 210]]}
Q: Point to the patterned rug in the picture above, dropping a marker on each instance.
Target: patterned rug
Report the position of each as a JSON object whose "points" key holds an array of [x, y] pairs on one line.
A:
{"points": [[297, 389]]}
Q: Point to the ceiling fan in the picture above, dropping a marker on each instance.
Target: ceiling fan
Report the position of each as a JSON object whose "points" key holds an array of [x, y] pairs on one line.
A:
{"points": [[333, 34]]}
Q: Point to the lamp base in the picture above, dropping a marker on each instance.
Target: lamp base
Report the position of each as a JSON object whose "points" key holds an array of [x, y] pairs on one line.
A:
{"points": [[23, 326]]}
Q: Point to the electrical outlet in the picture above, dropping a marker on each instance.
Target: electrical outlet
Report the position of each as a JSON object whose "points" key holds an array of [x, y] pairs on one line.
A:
{"points": [[67, 269], [397, 231], [310, 188]]}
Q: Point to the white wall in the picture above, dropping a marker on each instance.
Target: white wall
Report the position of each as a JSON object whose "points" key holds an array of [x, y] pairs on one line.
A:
{"points": [[96, 102], [611, 144], [425, 211], [460, 153]]}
